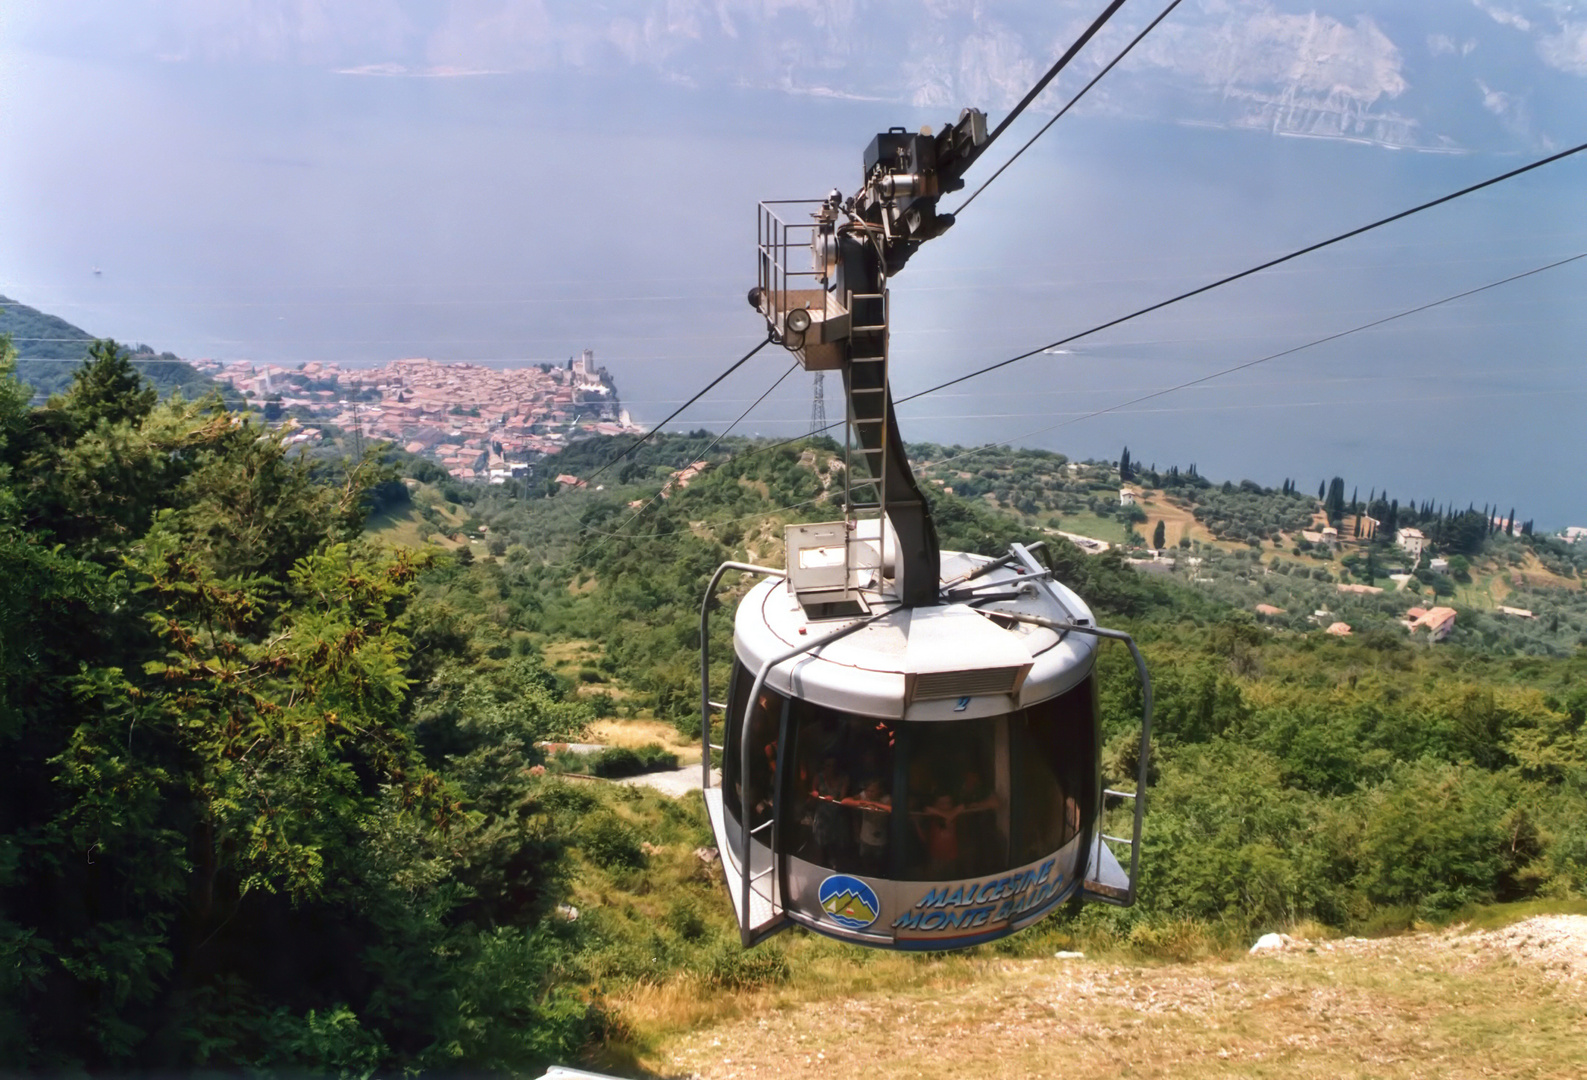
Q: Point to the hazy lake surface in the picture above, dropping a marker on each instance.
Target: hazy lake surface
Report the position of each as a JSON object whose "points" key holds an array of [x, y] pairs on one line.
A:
{"points": [[248, 214]]}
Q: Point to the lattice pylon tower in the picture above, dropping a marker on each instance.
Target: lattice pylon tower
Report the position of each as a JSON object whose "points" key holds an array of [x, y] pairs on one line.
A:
{"points": [[818, 403]]}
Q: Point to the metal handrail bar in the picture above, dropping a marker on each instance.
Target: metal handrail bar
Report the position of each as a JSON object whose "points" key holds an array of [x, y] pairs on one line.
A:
{"points": [[705, 662]]}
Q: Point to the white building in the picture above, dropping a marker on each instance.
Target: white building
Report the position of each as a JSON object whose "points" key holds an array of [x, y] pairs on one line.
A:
{"points": [[1411, 541]]}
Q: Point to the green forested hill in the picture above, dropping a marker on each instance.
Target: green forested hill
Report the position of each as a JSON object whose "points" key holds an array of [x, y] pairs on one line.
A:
{"points": [[272, 794], [45, 343]]}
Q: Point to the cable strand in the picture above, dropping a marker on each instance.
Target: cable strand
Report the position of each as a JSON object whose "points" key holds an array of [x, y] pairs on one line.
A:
{"points": [[1072, 101], [636, 444], [1052, 72], [1254, 270]]}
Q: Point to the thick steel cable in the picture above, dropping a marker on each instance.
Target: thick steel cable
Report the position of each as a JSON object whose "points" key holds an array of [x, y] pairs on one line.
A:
{"points": [[1083, 91], [703, 453], [1274, 356], [637, 443], [1052, 72], [1253, 270]]}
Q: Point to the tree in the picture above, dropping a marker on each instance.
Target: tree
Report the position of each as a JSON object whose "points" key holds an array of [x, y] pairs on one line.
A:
{"points": [[1159, 534], [1125, 472], [1334, 504], [220, 844]]}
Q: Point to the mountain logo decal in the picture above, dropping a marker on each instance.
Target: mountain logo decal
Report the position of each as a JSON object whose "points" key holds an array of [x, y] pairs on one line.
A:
{"points": [[849, 902]]}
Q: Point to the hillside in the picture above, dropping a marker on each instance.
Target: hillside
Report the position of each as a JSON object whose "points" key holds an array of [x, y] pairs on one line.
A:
{"points": [[1451, 1003], [46, 343], [1247, 546], [289, 772]]}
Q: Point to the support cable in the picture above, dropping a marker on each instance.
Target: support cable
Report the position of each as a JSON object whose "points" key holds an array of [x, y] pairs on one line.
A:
{"points": [[636, 444], [1072, 101], [1254, 270], [1274, 356], [618, 533], [1052, 73]]}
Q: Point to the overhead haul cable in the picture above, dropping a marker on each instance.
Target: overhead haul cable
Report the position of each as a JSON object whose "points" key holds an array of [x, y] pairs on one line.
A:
{"points": [[1274, 356], [637, 443], [1254, 270], [701, 456], [1052, 73], [1083, 90]]}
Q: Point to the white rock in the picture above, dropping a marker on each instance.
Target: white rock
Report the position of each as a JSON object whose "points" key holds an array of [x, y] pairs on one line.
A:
{"points": [[1069, 956], [1268, 942]]}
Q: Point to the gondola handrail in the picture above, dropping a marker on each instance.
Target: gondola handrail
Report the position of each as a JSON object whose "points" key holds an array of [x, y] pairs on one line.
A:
{"points": [[706, 704], [1142, 765]]}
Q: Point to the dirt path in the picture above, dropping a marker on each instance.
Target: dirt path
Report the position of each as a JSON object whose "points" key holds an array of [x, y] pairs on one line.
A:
{"points": [[1511, 1002]]}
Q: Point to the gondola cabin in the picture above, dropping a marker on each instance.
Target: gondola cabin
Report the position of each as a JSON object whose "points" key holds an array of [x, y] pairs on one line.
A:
{"points": [[911, 739]]}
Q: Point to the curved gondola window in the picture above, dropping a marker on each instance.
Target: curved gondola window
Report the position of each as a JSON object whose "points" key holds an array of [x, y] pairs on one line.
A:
{"points": [[839, 790], [763, 727], [1054, 753], [958, 799]]}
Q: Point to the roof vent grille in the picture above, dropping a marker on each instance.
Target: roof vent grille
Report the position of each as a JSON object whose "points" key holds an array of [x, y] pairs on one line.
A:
{"points": [[937, 685]]}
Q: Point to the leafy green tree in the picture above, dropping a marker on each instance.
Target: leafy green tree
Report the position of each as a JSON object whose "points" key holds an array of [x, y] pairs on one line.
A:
{"points": [[221, 844], [1159, 534]]}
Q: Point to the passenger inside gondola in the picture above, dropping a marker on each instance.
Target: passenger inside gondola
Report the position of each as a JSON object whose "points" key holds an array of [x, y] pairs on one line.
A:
{"points": [[937, 827], [831, 787], [875, 812]]}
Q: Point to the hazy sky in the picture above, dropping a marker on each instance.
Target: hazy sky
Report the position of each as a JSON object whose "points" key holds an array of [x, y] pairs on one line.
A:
{"points": [[362, 180]]}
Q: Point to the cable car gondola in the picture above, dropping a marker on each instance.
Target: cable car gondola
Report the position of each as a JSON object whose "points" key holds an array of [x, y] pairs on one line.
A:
{"points": [[912, 739]]}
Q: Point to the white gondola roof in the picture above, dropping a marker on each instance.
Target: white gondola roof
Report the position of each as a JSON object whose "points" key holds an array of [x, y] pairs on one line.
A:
{"points": [[948, 662]]}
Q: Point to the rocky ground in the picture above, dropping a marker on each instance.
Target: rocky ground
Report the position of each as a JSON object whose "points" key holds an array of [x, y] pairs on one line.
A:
{"points": [[1510, 1002]]}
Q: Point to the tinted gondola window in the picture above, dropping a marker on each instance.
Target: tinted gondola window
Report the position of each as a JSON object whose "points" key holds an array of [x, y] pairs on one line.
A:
{"points": [[838, 790], [763, 726], [958, 799], [1054, 755]]}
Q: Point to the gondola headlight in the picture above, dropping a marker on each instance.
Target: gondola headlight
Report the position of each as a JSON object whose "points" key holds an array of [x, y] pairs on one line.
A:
{"points": [[798, 321]]}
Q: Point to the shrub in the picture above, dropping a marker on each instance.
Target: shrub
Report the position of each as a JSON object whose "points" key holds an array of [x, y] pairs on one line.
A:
{"points": [[611, 842], [618, 761], [727, 966], [1433, 837]]}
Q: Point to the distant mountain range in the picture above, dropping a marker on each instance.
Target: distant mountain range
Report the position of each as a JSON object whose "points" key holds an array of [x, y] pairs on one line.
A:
{"points": [[47, 345]]}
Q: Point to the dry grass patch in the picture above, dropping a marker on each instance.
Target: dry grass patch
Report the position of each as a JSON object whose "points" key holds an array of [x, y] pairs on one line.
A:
{"points": [[1176, 520], [1427, 1005], [642, 732]]}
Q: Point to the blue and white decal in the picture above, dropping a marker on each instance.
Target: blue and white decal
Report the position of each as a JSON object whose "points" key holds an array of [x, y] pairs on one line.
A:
{"points": [[849, 902]]}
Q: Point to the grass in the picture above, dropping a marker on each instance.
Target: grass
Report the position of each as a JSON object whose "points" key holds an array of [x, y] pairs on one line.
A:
{"points": [[1088, 524], [642, 731], [407, 528], [1176, 520], [1499, 916], [1422, 1005]]}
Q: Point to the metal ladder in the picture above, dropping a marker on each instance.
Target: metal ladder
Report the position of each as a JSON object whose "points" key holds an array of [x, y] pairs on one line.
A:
{"points": [[865, 497]]}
